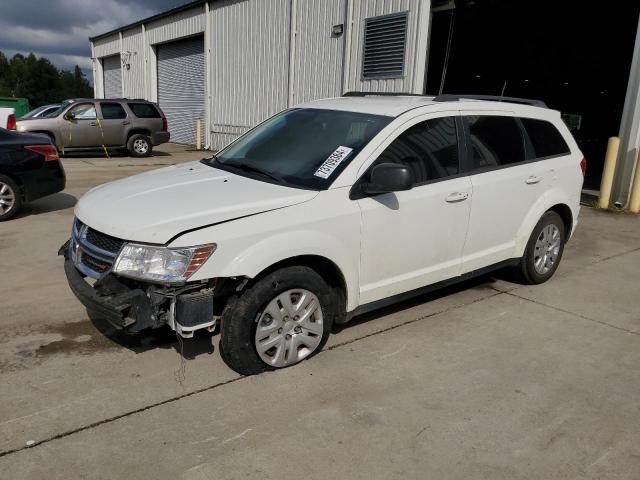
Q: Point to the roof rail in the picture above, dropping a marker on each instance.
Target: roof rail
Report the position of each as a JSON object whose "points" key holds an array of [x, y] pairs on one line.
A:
{"points": [[448, 97], [381, 94]]}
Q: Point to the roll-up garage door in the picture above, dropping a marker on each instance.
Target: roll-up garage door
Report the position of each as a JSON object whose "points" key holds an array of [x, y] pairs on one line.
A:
{"points": [[181, 86], [112, 77]]}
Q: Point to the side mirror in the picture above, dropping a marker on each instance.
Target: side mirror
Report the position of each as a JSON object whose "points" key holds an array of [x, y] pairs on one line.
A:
{"points": [[388, 177], [69, 116]]}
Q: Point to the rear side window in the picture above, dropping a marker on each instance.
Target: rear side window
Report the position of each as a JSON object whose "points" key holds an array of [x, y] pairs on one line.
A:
{"points": [[495, 141], [144, 110], [111, 111], [545, 138], [429, 149]]}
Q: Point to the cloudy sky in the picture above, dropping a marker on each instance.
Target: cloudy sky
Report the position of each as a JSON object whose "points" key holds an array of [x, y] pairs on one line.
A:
{"points": [[59, 29]]}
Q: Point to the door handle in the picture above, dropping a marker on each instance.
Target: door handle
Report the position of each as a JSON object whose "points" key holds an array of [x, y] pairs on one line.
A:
{"points": [[533, 179], [93, 124], [457, 197], [126, 122]]}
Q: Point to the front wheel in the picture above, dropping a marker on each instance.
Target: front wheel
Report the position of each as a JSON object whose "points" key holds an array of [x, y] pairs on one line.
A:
{"points": [[544, 250], [280, 320], [139, 145]]}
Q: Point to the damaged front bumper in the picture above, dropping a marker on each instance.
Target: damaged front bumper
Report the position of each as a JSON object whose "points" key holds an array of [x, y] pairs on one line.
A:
{"points": [[135, 306]]}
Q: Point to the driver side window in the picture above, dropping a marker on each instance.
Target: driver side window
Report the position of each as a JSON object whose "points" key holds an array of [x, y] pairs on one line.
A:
{"points": [[429, 149], [86, 111]]}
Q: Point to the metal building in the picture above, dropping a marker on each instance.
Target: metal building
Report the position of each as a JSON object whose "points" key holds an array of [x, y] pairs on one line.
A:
{"points": [[233, 63]]}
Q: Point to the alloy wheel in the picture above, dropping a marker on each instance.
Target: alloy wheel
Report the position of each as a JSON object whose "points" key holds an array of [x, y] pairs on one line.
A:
{"points": [[7, 198], [547, 249]]}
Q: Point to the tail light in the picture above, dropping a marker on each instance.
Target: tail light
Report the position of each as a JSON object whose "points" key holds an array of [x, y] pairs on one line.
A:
{"points": [[165, 126], [11, 122], [583, 165], [49, 152]]}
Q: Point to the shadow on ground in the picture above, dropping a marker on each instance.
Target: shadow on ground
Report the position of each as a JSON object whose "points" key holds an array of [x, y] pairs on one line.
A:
{"points": [[51, 203]]}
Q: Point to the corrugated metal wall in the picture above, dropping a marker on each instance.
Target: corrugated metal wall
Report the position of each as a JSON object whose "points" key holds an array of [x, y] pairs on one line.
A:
{"points": [[182, 24], [103, 47], [318, 55], [133, 48], [112, 77], [181, 86], [250, 58]]}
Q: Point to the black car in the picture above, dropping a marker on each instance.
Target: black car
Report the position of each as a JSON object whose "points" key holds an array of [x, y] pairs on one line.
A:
{"points": [[29, 169]]}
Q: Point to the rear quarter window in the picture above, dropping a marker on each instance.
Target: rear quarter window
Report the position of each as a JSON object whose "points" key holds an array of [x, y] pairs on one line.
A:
{"points": [[545, 138], [144, 110]]}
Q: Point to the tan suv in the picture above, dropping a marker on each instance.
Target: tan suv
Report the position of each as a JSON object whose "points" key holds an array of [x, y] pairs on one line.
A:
{"points": [[86, 124]]}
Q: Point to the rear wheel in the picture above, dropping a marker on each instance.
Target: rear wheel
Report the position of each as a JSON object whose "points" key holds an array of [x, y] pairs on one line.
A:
{"points": [[10, 198], [139, 145], [544, 250], [277, 322]]}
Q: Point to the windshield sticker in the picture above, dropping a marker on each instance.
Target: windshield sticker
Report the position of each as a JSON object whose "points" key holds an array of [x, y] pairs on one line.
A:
{"points": [[331, 163]]}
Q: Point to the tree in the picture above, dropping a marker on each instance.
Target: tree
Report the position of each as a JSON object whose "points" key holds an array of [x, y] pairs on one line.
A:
{"points": [[38, 80]]}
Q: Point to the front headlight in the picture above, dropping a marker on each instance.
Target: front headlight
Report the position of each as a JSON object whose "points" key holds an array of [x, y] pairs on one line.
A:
{"points": [[161, 264]]}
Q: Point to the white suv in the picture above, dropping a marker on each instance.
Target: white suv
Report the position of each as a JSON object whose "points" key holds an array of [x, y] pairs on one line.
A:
{"points": [[325, 211]]}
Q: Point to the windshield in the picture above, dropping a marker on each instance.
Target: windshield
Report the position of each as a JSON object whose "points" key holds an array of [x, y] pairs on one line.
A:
{"points": [[305, 148], [54, 112], [37, 111]]}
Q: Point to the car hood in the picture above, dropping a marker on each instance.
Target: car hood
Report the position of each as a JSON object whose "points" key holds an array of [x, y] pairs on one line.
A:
{"points": [[156, 206]]}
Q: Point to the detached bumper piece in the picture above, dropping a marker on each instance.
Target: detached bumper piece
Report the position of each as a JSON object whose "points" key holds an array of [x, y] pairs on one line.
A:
{"points": [[122, 306]]}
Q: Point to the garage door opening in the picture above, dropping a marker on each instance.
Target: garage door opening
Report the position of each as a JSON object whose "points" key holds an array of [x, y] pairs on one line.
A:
{"points": [[181, 86], [574, 55], [112, 73]]}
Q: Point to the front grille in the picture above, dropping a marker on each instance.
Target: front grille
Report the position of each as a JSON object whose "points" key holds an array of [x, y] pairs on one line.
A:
{"points": [[93, 252], [105, 242]]}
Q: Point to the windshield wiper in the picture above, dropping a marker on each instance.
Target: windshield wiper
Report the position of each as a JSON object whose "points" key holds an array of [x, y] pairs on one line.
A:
{"points": [[251, 168]]}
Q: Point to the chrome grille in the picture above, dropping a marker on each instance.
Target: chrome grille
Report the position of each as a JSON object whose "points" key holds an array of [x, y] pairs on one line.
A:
{"points": [[93, 252]]}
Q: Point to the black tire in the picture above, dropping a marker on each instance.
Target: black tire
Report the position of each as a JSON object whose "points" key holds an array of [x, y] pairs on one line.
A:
{"points": [[526, 272], [136, 148], [240, 316], [11, 188]]}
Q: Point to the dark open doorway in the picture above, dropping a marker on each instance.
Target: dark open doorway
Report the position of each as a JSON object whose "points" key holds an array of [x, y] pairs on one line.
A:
{"points": [[574, 55]]}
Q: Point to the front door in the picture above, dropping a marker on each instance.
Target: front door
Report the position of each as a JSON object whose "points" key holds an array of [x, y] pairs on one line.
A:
{"points": [[415, 238], [82, 127]]}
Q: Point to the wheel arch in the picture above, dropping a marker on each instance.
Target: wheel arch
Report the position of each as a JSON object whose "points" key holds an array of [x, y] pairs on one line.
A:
{"points": [[136, 131], [18, 181], [566, 214], [555, 200], [326, 268]]}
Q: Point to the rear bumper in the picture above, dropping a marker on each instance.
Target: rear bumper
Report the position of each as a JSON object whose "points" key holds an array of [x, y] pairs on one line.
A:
{"points": [[160, 137]]}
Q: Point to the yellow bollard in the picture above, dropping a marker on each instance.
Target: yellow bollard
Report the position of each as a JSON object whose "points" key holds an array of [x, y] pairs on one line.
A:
{"points": [[198, 135], [608, 172], [634, 199]]}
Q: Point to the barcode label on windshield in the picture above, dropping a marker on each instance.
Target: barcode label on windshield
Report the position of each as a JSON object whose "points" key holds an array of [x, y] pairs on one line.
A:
{"points": [[331, 163]]}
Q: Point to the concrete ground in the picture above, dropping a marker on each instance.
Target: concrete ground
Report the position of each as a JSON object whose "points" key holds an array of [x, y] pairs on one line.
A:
{"points": [[488, 379]]}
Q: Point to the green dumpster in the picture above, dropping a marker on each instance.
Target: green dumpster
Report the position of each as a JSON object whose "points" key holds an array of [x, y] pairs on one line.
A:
{"points": [[21, 105]]}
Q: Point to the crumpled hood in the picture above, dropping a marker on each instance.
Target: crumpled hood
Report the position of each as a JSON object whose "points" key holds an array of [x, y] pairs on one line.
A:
{"points": [[156, 206]]}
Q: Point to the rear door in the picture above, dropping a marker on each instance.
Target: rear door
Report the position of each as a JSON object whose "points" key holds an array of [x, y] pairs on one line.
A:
{"points": [[415, 238], [113, 123], [506, 184]]}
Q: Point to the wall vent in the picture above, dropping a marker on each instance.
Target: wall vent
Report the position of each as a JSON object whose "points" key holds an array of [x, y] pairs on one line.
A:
{"points": [[385, 39]]}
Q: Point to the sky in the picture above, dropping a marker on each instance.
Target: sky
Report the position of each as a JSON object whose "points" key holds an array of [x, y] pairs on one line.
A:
{"points": [[60, 29]]}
